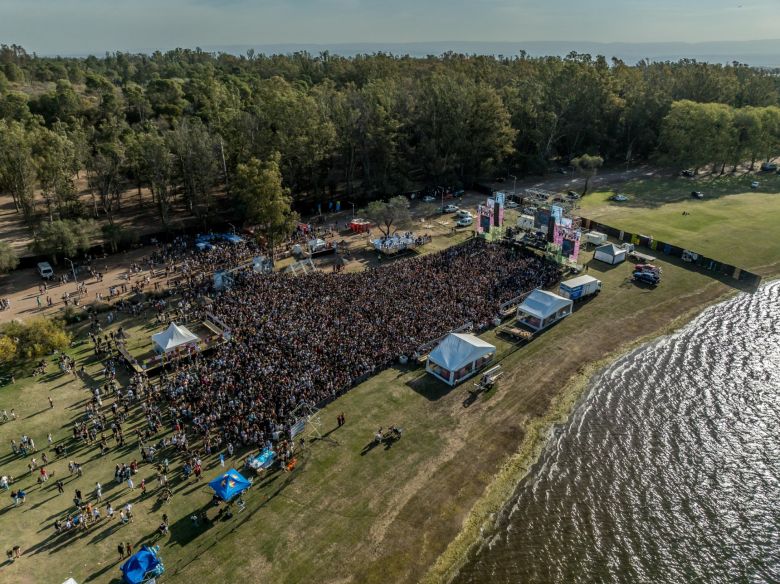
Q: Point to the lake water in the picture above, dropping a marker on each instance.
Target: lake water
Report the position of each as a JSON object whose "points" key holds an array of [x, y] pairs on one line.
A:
{"points": [[667, 471]]}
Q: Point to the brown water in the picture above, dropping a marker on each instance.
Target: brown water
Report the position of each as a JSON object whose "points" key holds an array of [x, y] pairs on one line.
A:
{"points": [[668, 470]]}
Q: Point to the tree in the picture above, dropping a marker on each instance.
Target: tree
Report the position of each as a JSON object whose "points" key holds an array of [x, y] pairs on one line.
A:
{"points": [[64, 238], [587, 165], [157, 169], [36, 338], [194, 149], [55, 154], [389, 216], [17, 167], [8, 257], [105, 174], [265, 202]]}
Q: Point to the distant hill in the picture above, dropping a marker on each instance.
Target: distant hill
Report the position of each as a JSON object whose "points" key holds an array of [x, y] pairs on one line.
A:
{"points": [[761, 53]]}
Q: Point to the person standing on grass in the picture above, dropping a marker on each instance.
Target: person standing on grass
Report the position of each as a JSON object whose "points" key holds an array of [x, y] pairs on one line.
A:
{"points": [[222, 460], [60, 487], [129, 549], [143, 486], [51, 403], [121, 549], [130, 484], [99, 491], [109, 510]]}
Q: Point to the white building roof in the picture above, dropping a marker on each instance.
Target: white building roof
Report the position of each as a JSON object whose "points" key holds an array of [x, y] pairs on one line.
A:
{"points": [[542, 304], [611, 249], [458, 350], [174, 336]]}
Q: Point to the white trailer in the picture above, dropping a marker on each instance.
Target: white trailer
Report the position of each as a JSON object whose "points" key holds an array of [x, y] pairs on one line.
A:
{"points": [[580, 287], [595, 237]]}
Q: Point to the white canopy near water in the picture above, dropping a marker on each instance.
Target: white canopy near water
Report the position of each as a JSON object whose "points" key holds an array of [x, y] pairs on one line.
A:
{"points": [[174, 336], [459, 356], [541, 308]]}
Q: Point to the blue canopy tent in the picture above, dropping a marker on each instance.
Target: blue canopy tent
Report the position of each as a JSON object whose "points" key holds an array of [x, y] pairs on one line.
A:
{"points": [[142, 566], [228, 485]]}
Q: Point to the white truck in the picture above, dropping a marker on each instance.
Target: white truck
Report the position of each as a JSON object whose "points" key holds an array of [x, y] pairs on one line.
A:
{"points": [[580, 287], [45, 270]]}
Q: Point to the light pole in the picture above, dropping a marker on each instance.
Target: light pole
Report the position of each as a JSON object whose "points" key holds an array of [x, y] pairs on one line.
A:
{"points": [[514, 186], [353, 208], [73, 269], [233, 227]]}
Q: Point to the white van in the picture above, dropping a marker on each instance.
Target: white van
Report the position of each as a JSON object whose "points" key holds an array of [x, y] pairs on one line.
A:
{"points": [[45, 270]]}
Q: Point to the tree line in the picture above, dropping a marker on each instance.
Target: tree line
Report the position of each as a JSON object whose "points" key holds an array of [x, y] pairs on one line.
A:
{"points": [[188, 126]]}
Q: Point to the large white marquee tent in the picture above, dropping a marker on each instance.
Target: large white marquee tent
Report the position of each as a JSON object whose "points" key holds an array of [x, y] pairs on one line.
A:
{"points": [[174, 336], [541, 308], [458, 357]]}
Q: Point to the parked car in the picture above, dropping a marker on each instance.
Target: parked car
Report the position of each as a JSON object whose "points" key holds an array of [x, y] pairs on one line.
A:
{"points": [[529, 210], [450, 208], [463, 213], [428, 199], [511, 205], [618, 198], [697, 194], [754, 184], [464, 221], [647, 278], [688, 172], [45, 270], [768, 167]]}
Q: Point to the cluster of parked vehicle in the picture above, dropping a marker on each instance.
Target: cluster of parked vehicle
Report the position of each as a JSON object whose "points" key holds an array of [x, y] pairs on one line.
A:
{"points": [[647, 273]]}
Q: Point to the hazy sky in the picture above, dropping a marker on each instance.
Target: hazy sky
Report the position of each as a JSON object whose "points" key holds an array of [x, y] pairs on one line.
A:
{"points": [[78, 26]]}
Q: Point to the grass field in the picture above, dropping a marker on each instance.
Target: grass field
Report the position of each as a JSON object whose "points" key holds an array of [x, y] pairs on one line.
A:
{"points": [[733, 223]]}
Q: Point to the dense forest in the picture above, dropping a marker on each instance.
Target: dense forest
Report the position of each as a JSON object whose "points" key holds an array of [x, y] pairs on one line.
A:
{"points": [[182, 123]]}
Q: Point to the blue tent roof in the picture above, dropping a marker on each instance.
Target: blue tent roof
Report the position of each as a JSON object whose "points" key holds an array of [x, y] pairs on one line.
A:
{"points": [[229, 484], [142, 562], [232, 238]]}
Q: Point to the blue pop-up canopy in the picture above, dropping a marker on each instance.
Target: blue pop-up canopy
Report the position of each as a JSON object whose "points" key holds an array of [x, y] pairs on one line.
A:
{"points": [[229, 484], [142, 565]]}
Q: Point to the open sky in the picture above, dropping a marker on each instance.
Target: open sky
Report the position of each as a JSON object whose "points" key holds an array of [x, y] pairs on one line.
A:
{"points": [[79, 26]]}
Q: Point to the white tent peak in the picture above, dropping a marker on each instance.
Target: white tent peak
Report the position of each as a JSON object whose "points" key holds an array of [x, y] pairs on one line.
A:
{"points": [[174, 336], [542, 303], [459, 349]]}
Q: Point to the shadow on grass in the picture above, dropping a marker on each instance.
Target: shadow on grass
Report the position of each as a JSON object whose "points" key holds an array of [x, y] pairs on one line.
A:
{"points": [[428, 387]]}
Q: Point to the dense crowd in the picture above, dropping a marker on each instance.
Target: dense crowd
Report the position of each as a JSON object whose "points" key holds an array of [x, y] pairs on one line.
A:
{"points": [[309, 338]]}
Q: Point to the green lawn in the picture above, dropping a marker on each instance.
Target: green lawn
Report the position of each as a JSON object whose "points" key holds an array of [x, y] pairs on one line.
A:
{"points": [[732, 224]]}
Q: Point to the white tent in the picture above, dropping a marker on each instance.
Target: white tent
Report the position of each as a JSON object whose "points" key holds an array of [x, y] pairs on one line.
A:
{"points": [[458, 357], [541, 308], [610, 253], [174, 336]]}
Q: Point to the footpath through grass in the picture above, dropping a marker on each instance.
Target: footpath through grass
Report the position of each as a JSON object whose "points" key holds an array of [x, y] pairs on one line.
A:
{"points": [[733, 223]]}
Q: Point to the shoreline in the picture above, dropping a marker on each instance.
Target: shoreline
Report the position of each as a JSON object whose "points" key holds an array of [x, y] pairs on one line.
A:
{"points": [[481, 518]]}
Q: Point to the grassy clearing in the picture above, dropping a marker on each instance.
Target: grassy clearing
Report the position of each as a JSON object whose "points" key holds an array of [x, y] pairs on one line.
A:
{"points": [[732, 224]]}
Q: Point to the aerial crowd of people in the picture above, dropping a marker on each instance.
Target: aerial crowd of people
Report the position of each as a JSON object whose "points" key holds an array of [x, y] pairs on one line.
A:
{"points": [[312, 338]]}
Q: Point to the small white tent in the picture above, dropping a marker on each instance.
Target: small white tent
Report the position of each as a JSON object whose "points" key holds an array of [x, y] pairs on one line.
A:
{"points": [[541, 308], [458, 357], [174, 336], [610, 253]]}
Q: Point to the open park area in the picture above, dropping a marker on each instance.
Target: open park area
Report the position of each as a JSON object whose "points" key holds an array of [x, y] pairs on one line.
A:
{"points": [[348, 509], [734, 223]]}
